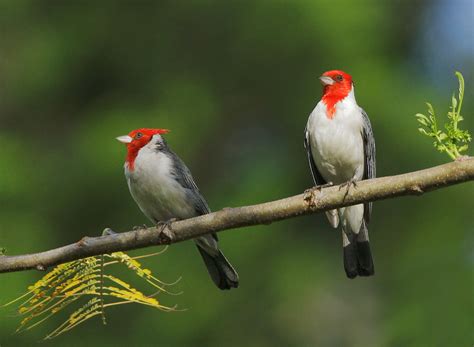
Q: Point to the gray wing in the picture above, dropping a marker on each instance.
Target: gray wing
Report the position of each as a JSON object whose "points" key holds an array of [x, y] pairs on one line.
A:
{"points": [[317, 178], [184, 177], [369, 155]]}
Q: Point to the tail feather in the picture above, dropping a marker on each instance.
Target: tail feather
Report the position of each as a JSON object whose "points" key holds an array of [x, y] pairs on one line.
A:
{"points": [[365, 263], [220, 270], [364, 255], [350, 254], [357, 255]]}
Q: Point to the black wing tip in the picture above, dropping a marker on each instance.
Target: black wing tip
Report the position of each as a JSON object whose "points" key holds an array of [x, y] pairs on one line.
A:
{"points": [[358, 260], [364, 259], [221, 271], [350, 260], [227, 284]]}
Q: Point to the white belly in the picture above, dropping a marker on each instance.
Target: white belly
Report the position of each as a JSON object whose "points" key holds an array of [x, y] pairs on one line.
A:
{"points": [[159, 196], [337, 144]]}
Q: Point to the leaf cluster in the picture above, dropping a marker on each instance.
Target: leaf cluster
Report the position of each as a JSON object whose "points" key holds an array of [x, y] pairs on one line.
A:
{"points": [[452, 140], [85, 282]]}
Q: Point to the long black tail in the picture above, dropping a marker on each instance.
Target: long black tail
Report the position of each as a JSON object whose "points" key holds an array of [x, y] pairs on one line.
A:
{"points": [[222, 273], [357, 255]]}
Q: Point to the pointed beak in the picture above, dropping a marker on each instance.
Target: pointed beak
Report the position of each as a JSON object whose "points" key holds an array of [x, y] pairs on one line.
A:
{"points": [[124, 139], [326, 81]]}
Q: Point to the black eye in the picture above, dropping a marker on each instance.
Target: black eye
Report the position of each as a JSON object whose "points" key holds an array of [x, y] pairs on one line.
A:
{"points": [[339, 78], [138, 136]]}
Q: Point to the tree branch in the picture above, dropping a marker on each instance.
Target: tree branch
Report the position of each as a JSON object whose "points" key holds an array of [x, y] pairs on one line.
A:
{"points": [[312, 201]]}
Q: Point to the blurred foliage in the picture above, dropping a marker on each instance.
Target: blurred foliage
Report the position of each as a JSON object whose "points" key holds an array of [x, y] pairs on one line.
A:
{"points": [[86, 280], [454, 141], [235, 82]]}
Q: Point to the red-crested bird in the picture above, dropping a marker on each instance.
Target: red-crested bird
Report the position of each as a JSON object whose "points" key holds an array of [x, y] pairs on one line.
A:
{"points": [[340, 147], [164, 190]]}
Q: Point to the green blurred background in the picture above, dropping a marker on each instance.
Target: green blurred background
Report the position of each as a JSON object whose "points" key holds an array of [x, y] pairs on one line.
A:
{"points": [[235, 82]]}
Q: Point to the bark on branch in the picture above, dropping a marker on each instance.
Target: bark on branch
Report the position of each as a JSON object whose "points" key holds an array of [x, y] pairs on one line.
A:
{"points": [[312, 201]]}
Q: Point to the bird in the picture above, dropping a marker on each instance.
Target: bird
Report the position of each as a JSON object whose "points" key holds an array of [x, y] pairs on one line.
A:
{"points": [[165, 191], [340, 148]]}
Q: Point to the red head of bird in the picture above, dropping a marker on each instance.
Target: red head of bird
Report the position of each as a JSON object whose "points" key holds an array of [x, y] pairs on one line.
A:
{"points": [[337, 85], [136, 140]]}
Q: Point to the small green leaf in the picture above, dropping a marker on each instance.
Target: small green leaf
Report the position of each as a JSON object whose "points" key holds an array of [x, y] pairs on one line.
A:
{"points": [[423, 122], [454, 102], [463, 148], [423, 131], [430, 109], [461, 85], [443, 136], [422, 119], [421, 116]]}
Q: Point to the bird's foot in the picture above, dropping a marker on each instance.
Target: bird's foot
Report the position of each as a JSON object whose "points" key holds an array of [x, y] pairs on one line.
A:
{"points": [[308, 195], [139, 227], [347, 185], [309, 192], [166, 231]]}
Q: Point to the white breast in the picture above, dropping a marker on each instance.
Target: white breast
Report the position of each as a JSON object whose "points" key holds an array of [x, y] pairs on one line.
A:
{"points": [[337, 144], [153, 187]]}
